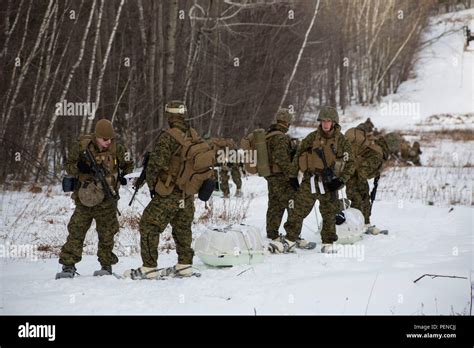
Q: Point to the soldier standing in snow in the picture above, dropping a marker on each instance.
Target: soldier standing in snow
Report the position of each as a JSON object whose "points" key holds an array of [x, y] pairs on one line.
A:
{"points": [[170, 203], [91, 204], [282, 183], [325, 158], [369, 154]]}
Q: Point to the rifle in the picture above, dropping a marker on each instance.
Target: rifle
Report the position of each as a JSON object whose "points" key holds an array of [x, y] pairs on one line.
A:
{"points": [[141, 179], [242, 168], [99, 176], [374, 190], [327, 174]]}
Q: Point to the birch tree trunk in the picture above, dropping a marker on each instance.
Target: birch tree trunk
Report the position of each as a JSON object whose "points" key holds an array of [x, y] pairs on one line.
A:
{"points": [[303, 46], [47, 138], [106, 58], [171, 47]]}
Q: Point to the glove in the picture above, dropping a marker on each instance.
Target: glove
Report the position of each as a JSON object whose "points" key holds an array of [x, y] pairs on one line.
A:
{"points": [[340, 218], [294, 183], [122, 179], [335, 184], [84, 167]]}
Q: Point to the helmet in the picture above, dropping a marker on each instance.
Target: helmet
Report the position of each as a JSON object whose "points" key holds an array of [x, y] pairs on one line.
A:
{"points": [[284, 115], [328, 113], [104, 129], [175, 108]]}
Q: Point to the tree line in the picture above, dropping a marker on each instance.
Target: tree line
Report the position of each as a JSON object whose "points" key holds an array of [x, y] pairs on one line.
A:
{"points": [[234, 62]]}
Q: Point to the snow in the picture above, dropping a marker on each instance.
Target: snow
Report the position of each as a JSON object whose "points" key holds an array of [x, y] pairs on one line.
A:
{"points": [[440, 95], [428, 211], [307, 282]]}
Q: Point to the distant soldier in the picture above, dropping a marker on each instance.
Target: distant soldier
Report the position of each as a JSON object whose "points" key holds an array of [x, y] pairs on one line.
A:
{"points": [[414, 154], [394, 140], [91, 202], [369, 155], [224, 145], [325, 158], [368, 125]]}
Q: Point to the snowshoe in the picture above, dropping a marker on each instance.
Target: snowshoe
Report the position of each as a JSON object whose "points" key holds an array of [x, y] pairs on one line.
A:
{"points": [[67, 272], [178, 271], [281, 245], [304, 244], [374, 230], [329, 249], [141, 273], [105, 270]]}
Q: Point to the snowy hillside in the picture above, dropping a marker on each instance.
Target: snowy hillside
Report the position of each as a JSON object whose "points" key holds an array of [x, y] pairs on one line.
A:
{"points": [[427, 210]]}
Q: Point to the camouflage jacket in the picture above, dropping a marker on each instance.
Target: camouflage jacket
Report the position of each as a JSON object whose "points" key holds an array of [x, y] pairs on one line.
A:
{"points": [[343, 152], [125, 164], [368, 163], [281, 150], [160, 157]]}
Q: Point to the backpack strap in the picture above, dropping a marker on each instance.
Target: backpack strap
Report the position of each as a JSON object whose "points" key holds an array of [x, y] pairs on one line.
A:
{"points": [[177, 135], [273, 133], [275, 168], [85, 140], [180, 136]]}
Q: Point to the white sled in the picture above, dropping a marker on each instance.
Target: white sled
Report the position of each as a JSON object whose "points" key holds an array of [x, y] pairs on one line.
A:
{"points": [[230, 246], [352, 229]]}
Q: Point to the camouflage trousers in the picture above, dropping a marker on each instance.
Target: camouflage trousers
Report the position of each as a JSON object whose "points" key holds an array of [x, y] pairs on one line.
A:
{"points": [[105, 216], [303, 204], [235, 173], [280, 195], [161, 211], [357, 190]]}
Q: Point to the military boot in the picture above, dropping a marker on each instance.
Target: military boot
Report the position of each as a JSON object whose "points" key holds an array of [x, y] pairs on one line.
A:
{"points": [[238, 193], [371, 229], [329, 248], [69, 271], [105, 270], [304, 244]]}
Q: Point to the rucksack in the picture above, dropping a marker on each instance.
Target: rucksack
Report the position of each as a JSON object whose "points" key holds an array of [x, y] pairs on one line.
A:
{"points": [[196, 160], [258, 141], [362, 142]]}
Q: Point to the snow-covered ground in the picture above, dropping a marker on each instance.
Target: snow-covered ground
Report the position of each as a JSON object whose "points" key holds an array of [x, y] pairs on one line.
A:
{"points": [[427, 210], [375, 277]]}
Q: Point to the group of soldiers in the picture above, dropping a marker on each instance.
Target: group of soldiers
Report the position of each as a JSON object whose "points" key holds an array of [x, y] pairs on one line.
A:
{"points": [[399, 148], [328, 160], [221, 147], [169, 204]]}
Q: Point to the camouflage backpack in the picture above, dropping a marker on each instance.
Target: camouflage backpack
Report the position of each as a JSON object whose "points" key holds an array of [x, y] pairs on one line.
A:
{"points": [[362, 142], [257, 142], [196, 160]]}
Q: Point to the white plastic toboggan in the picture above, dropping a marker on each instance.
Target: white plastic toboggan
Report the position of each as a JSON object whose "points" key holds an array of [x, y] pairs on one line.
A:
{"points": [[352, 229], [230, 246]]}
